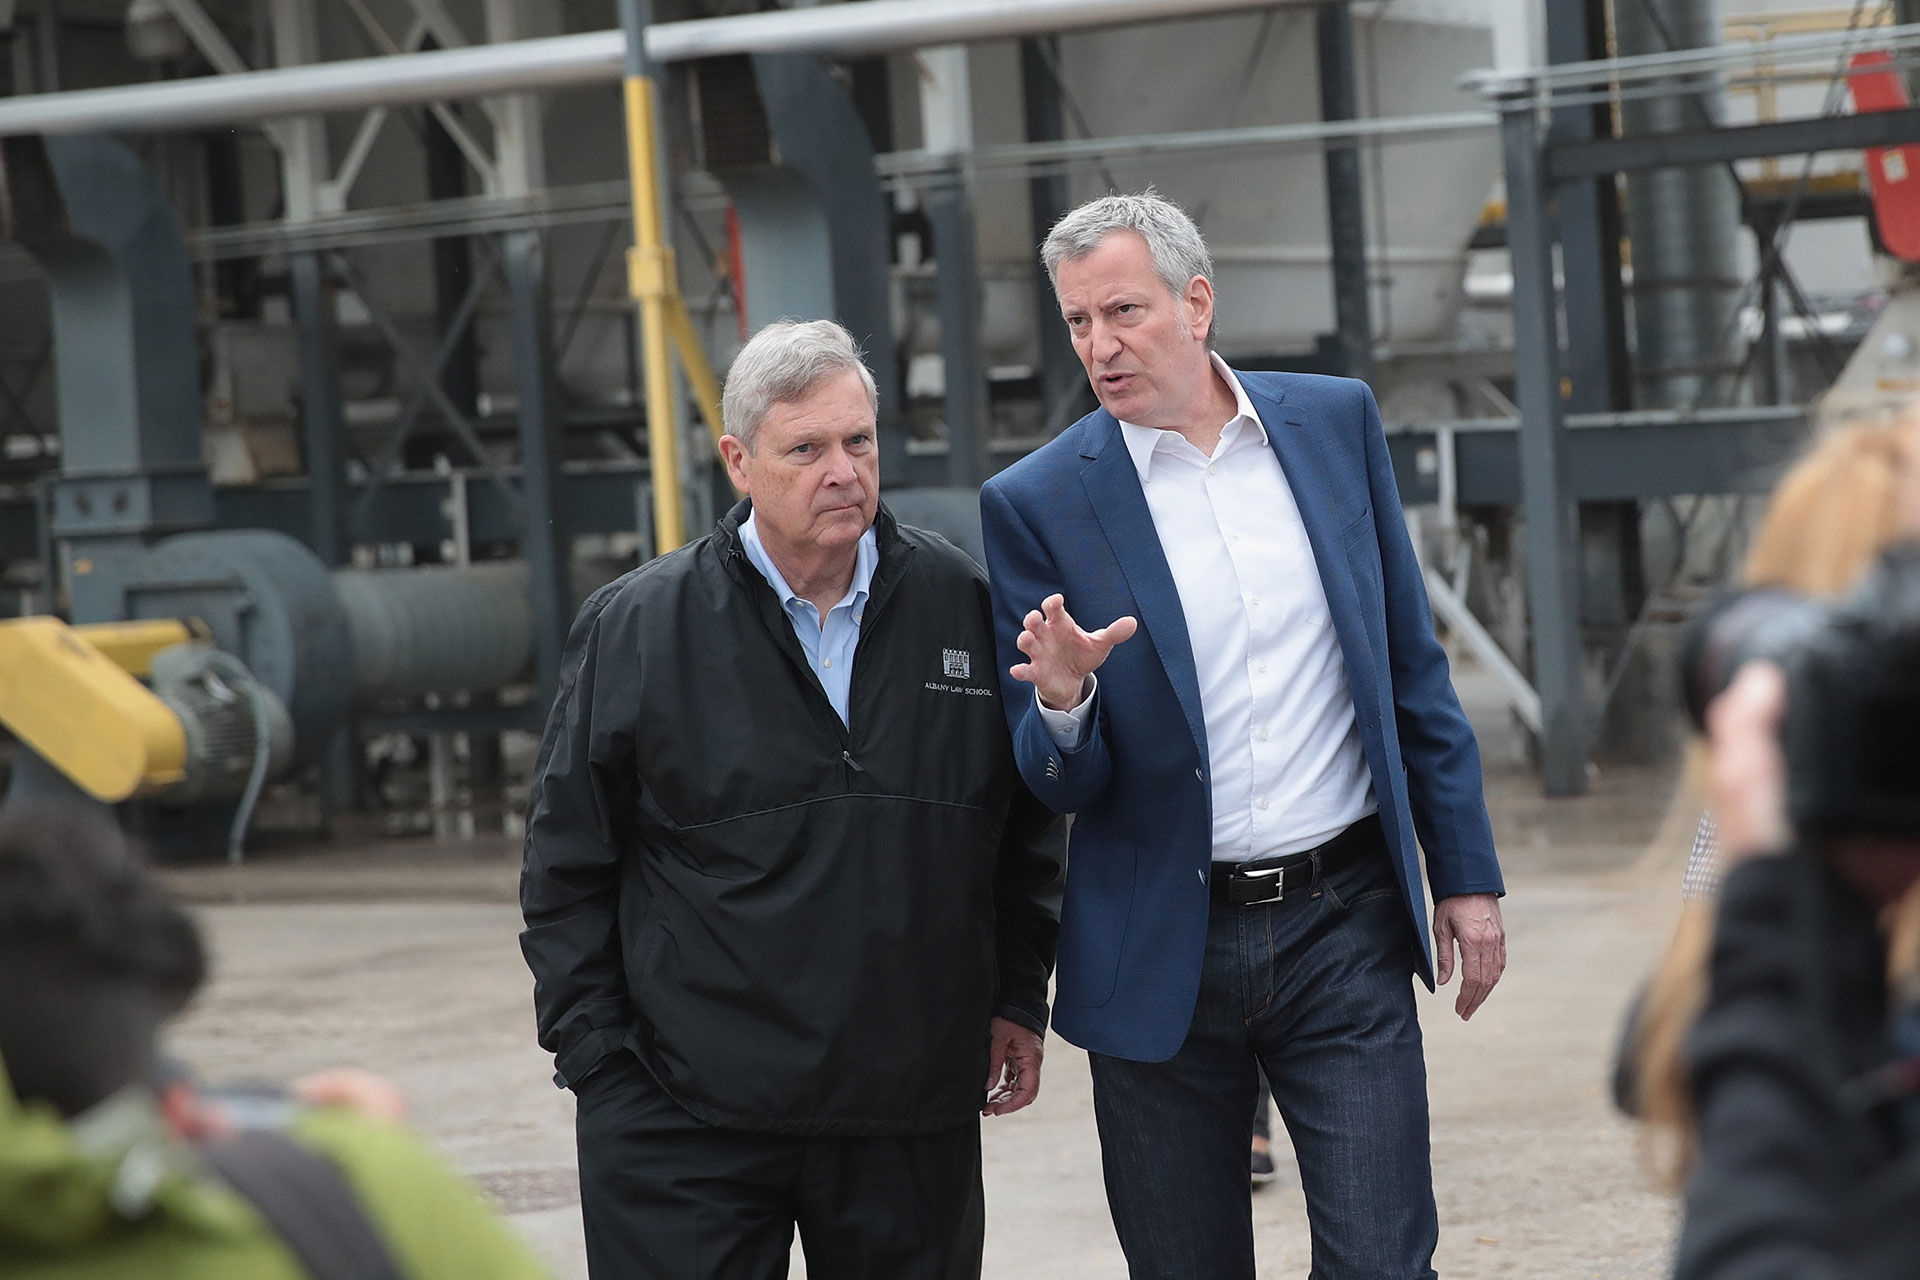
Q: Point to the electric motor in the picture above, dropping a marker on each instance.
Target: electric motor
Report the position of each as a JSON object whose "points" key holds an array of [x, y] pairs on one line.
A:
{"points": [[224, 711]]}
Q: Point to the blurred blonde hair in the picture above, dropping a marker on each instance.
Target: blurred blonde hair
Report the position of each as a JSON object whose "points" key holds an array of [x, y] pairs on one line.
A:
{"points": [[1832, 513]]}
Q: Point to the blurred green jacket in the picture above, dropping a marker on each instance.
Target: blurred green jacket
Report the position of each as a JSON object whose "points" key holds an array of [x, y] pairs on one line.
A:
{"points": [[113, 1195]]}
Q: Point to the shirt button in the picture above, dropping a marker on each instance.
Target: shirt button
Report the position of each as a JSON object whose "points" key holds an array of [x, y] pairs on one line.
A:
{"points": [[1209, 470], [1256, 599], [1263, 803], [1263, 668], [1263, 735], [827, 662]]}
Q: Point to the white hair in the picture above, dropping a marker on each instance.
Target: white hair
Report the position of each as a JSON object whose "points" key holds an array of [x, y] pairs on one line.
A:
{"points": [[783, 363], [1179, 252]]}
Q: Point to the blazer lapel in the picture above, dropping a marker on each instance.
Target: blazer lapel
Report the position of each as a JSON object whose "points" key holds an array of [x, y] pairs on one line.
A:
{"points": [[1314, 494], [1113, 487]]}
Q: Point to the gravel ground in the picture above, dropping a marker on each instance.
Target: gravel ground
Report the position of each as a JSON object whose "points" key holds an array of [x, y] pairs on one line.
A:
{"points": [[401, 957]]}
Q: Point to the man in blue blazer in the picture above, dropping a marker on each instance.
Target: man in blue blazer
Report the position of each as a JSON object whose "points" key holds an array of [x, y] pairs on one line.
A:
{"points": [[1250, 771]]}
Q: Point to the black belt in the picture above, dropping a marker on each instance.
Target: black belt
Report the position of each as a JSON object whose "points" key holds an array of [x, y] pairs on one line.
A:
{"points": [[1242, 884]]}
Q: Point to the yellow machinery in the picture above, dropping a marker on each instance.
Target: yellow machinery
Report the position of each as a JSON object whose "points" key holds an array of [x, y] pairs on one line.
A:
{"points": [[664, 321], [70, 694]]}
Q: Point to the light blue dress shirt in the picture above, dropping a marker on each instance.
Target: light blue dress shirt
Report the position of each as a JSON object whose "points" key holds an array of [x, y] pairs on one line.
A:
{"points": [[829, 646]]}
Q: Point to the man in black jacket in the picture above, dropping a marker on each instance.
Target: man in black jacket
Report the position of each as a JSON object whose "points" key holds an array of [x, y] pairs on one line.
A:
{"points": [[787, 901]]}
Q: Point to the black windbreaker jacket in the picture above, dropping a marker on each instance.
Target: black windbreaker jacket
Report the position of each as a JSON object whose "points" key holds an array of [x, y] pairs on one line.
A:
{"points": [[798, 926]]}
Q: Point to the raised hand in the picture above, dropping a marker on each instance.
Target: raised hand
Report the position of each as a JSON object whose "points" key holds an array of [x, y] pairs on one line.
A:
{"points": [[1060, 655]]}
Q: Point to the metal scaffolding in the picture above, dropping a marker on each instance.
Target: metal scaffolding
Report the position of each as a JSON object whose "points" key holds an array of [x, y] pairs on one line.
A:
{"points": [[1552, 167]]}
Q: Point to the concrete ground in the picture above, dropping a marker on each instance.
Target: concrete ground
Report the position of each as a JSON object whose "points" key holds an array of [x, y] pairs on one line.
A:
{"points": [[400, 956]]}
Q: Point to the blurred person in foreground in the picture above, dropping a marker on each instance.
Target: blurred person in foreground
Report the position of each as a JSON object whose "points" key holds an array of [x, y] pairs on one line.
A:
{"points": [[790, 912], [112, 1168], [1850, 497], [1248, 772], [1804, 1061]]}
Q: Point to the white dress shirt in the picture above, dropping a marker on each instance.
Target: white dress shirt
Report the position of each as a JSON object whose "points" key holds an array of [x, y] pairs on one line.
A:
{"points": [[1288, 771]]}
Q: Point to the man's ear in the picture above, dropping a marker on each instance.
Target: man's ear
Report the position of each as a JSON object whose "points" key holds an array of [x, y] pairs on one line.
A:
{"points": [[1199, 302], [734, 453]]}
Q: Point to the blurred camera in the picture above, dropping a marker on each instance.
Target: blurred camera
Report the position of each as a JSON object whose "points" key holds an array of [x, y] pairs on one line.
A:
{"points": [[1851, 734]]}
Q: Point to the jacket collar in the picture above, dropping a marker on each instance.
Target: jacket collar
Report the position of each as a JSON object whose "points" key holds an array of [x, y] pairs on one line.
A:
{"points": [[895, 552]]}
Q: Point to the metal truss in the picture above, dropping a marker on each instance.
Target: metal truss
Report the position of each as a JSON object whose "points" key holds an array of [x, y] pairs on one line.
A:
{"points": [[332, 191]]}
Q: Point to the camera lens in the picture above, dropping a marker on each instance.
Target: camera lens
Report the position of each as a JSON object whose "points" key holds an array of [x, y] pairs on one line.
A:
{"points": [[1764, 623]]}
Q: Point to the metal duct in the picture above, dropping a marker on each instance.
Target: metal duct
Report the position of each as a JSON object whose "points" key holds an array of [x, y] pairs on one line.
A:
{"points": [[1683, 223], [126, 355], [436, 629]]}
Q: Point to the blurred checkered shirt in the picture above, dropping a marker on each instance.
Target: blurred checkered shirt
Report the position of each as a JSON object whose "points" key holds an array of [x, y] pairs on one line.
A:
{"points": [[1703, 864]]}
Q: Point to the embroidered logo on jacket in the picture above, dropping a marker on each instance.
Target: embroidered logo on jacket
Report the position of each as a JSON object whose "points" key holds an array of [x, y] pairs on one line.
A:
{"points": [[956, 665]]}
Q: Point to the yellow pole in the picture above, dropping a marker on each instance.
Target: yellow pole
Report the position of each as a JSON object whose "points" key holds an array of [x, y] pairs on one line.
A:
{"points": [[693, 359], [650, 278]]}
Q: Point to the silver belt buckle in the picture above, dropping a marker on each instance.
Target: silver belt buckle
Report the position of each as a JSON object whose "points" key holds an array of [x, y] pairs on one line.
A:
{"points": [[1276, 874]]}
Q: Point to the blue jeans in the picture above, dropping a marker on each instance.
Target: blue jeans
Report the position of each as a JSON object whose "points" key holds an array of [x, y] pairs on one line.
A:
{"points": [[1318, 991]]}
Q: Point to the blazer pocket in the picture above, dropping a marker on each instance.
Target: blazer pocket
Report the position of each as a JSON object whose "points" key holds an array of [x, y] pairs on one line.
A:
{"points": [[1361, 522], [1094, 918]]}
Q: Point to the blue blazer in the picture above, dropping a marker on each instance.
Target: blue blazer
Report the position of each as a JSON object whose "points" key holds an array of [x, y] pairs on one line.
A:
{"points": [[1072, 518]]}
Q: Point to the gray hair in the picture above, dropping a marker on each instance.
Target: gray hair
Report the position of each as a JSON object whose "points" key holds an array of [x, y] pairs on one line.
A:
{"points": [[1178, 251], [783, 363]]}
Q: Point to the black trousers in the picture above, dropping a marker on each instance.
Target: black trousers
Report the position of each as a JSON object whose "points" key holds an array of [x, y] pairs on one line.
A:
{"points": [[667, 1197]]}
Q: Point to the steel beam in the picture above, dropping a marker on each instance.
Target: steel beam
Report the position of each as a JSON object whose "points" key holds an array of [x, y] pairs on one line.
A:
{"points": [[305, 163], [544, 543], [1590, 230], [1051, 156], [1346, 198], [453, 275], [320, 410], [1739, 451], [46, 34], [950, 210], [1696, 147], [1612, 579], [1063, 382], [1551, 554], [414, 507]]}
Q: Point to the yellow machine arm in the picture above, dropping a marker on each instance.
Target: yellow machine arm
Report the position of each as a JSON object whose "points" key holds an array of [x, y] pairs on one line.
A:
{"points": [[71, 696]]}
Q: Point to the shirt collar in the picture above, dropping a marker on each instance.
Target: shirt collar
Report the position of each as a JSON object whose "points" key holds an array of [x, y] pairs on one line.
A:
{"points": [[1144, 442], [866, 559]]}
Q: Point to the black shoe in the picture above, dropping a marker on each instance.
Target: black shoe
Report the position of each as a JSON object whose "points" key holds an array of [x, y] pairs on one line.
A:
{"points": [[1262, 1168]]}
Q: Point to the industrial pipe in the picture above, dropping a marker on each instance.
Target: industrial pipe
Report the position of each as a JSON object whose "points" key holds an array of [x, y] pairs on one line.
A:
{"points": [[554, 62], [436, 628]]}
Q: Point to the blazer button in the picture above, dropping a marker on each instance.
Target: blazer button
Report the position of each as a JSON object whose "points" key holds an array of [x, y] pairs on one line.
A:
{"points": [[1198, 774]]}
